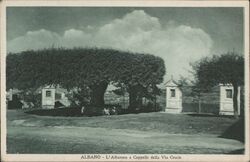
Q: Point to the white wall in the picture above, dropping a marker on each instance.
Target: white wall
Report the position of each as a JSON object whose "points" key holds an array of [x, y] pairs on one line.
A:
{"points": [[48, 102], [226, 104], [173, 104]]}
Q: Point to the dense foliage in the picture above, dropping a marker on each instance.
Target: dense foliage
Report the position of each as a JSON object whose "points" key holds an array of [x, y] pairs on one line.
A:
{"points": [[81, 67]]}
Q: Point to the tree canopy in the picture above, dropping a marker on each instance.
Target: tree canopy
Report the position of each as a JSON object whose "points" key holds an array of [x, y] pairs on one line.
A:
{"points": [[79, 67]]}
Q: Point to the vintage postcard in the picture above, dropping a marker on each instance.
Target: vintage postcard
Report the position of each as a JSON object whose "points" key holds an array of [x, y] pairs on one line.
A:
{"points": [[124, 80]]}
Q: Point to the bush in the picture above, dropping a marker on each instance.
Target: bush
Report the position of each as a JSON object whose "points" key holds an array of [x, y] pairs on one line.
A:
{"points": [[73, 111], [88, 110], [15, 103], [113, 109], [149, 107], [93, 111]]}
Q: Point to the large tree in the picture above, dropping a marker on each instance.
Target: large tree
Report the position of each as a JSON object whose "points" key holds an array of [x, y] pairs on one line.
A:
{"points": [[80, 67], [225, 69], [139, 74]]}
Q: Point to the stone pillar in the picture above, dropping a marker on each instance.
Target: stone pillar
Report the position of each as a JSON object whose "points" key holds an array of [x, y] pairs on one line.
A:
{"points": [[48, 97], [173, 97], [226, 99]]}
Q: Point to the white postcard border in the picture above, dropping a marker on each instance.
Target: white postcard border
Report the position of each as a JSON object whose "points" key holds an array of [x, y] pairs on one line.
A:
{"points": [[121, 3]]}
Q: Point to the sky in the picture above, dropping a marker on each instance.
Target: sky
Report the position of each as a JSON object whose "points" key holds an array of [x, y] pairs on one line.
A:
{"points": [[179, 35]]}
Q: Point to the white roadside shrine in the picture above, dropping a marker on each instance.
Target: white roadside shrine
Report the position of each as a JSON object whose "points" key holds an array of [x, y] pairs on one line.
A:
{"points": [[226, 91], [54, 97], [226, 99], [48, 97], [173, 97]]}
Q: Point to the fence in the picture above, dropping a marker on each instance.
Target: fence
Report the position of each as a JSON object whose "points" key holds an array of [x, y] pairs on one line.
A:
{"points": [[111, 98], [207, 103], [200, 105]]}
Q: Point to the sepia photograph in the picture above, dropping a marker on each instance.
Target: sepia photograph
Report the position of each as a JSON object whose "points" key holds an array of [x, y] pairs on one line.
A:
{"points": [[121, 83]]}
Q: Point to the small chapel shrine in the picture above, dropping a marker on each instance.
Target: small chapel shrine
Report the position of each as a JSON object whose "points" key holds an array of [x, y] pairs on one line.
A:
{"points": [[223, 94], [173, 97], [226, 99]]}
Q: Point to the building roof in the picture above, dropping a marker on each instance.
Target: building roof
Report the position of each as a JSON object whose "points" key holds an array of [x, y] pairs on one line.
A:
{"points": [[49, 87], [226, 85], [57, 88], [61, 90], [171, 83]]}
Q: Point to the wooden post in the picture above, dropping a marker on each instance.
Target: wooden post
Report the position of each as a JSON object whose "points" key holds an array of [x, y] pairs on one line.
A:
{"points": [[155, 102], [199, 110]]}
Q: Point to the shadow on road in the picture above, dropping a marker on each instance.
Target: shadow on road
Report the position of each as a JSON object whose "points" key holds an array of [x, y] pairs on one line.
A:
{"points": [[209, 115], [235, 131], [240, 151]]}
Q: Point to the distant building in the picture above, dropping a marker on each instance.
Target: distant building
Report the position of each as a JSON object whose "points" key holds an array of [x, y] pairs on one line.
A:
{"points": [[13, 100], [10, 93]]}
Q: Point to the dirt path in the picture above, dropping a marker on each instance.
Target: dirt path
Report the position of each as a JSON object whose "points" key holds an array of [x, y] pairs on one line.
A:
{"points": [[56, 139]]}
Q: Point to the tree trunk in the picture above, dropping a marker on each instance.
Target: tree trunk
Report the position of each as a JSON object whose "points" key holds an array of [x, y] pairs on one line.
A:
{"points": [[199, 110], [235, 100], [139, 100], [135, 98], [97, 94], [155, 103], [132, 99]]}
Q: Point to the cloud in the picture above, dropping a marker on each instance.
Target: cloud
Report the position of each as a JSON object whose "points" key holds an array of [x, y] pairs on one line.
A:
{"points": [[136, 31], [33, 40], [75, 38]]}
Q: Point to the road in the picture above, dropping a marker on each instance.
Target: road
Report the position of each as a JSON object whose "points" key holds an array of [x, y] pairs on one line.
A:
{"points": [[70, 139]]}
